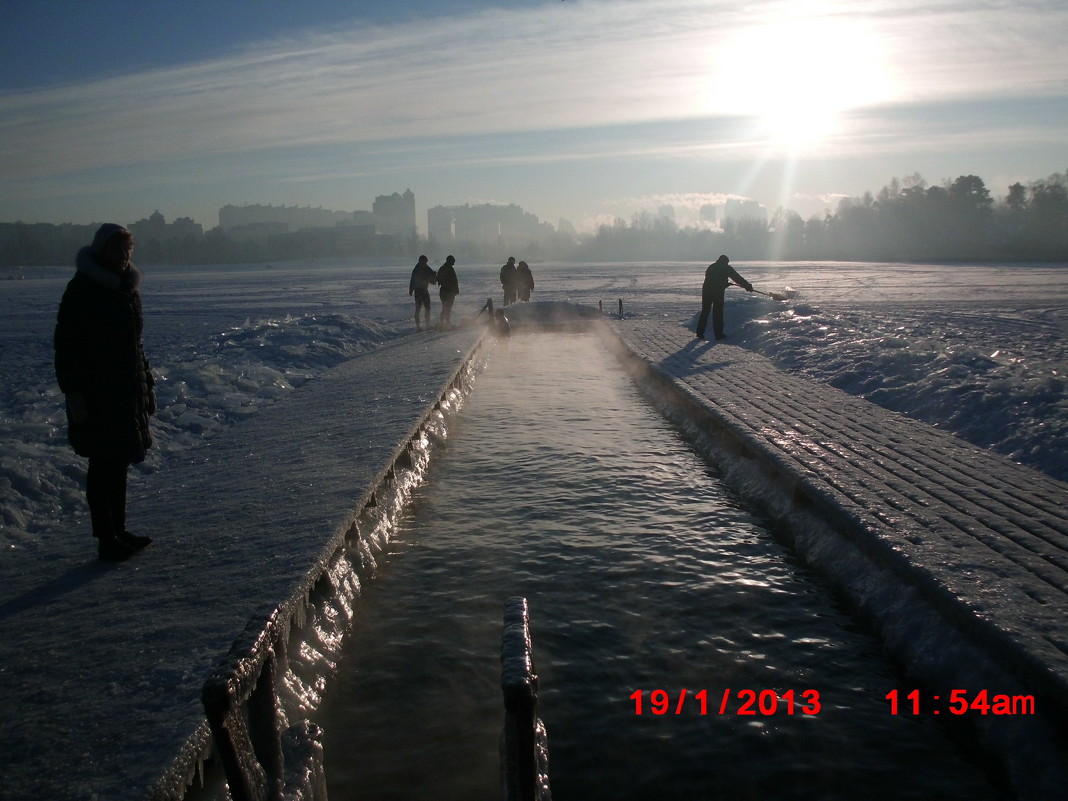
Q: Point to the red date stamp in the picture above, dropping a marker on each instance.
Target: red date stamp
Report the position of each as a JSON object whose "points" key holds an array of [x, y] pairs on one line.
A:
{"points": [[726, 702]]}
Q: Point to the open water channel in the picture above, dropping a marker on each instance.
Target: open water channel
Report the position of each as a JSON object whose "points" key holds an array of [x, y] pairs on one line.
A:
{"points": [[560, 483]]}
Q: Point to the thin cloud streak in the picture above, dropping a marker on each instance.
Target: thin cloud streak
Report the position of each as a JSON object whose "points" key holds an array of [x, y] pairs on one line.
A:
{"points": [[508, 72]]}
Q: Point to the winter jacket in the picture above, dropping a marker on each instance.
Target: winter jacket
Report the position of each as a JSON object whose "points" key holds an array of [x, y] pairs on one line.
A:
{"points": [[718, 276], [524, 278], [447, 280], [422, 277], [100, 362]]}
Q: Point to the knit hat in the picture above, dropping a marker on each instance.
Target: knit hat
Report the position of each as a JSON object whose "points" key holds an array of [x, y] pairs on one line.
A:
{"points": [[103, 234]]}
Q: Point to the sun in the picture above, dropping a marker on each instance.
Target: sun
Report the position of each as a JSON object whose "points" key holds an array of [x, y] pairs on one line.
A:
{"points": [[800, 118], [797, 80]]}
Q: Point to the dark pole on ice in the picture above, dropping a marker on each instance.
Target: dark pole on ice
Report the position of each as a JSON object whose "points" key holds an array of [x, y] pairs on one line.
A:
{"points": [[621, 308]]}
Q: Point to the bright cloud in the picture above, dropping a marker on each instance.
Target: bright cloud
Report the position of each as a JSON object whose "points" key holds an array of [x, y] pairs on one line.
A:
{"points": [[543, 68], [562, 83]]}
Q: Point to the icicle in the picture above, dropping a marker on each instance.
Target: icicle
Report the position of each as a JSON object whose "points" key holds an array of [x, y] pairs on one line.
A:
{"points": [[302, 749]]}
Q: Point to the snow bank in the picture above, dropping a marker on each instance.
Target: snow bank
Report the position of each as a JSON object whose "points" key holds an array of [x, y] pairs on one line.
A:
{"points": [[203, 389], [210, 386], [997, 378]]}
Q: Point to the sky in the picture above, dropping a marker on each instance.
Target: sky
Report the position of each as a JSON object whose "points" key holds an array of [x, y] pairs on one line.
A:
{"points": [[578, 109]]}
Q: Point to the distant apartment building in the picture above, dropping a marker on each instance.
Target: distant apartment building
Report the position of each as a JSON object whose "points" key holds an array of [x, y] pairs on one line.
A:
{"points": [[745, 210], [156, 228], [441, 224], [395, 215], [366, 232], [279, 218], [485, 223], [707, 213]]}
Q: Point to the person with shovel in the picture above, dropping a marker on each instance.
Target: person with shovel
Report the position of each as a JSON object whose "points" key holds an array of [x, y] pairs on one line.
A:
{"points": [[717, 277]]}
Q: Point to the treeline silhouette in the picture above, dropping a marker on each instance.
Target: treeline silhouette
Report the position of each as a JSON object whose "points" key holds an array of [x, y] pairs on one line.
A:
{"points": [[907, 220]]}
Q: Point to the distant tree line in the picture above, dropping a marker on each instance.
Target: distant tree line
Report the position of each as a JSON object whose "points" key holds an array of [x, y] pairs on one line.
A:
{"points": [[907, 220]]}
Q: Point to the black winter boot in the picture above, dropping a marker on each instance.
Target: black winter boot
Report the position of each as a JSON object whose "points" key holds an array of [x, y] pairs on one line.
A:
{"points": [[112, 549], [136, 541]]}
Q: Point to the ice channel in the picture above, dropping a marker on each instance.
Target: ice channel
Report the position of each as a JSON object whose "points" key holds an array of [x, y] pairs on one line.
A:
{"points": [[643, 572]]}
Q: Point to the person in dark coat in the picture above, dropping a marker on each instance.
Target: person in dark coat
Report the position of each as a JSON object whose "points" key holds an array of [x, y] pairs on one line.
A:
{"points": [[449, 288], [524, 281], [497, 321], [422, 277], [509, 275], [102, 370], [717, 277]]}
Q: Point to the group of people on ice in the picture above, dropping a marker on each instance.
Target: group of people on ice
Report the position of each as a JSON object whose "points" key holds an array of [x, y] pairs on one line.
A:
{"points": [[516, 280], [108, 386], [448, 288]]}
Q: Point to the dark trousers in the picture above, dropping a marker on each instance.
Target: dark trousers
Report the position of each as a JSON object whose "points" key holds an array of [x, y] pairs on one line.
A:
{"points": [[447, 299], [105, 491], [711, 300]]}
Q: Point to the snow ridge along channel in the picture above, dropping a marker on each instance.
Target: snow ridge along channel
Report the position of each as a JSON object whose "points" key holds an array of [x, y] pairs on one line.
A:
{"points": [[106, 700], [957, 555]]}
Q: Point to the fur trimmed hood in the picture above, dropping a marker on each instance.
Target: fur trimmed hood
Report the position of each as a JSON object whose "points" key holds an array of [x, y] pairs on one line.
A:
{"points": [[104, 233], [88, 266]]}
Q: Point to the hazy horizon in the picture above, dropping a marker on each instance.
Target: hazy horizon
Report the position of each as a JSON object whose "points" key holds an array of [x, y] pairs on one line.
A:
{"points": [[585, 110]]}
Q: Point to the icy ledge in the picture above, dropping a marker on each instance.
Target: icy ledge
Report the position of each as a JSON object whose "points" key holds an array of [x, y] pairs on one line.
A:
{"points": [[103, 665], [958, 556], [276, 669]]}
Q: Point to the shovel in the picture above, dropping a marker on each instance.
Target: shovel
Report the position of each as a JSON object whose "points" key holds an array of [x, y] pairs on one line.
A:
{"points": [[772, 295]]}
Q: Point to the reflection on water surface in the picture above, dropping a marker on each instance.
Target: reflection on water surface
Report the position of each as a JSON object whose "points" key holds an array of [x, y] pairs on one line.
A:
{"points": [[643, 572]]}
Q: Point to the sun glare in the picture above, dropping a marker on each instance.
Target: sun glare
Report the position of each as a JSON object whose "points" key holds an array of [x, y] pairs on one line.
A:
{"points": [[796, 80]]}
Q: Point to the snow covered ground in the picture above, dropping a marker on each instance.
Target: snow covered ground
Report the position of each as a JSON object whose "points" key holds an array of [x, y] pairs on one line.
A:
{"points": [[980, 351]]}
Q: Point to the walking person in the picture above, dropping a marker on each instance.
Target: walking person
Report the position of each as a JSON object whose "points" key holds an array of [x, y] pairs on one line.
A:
{"points": [[101, 368], [422, 277], [717, 278], [524, 281], [449, 288], [508, 280]]}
